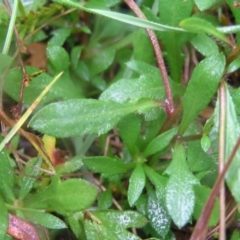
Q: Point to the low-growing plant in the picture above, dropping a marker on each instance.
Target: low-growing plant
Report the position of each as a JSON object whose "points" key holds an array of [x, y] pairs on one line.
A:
{"points": [[134, 127]]}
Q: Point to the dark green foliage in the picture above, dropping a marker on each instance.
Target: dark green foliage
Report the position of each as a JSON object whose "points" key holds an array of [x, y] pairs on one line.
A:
{"points": [[125, 166]]}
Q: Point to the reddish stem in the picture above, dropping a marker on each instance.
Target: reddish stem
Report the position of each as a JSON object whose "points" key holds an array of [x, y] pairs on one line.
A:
{"points": [[169, 101]]}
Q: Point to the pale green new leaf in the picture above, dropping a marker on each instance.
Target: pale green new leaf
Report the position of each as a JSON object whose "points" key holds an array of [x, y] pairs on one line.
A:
{"points": [[201, 88], [136, 184]]}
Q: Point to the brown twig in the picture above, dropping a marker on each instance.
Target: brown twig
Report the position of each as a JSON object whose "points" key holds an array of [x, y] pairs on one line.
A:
{"points": [[169, 101], [221, 156]]}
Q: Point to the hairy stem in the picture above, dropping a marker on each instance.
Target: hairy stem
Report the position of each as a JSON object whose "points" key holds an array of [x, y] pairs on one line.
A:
{"points": [[169, 101]]}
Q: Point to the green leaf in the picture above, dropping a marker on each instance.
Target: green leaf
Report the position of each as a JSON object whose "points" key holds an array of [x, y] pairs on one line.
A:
{"points": [[120, 17], [105, 165], [59, 36], [5, 62], [158, 216], [129, 130], [6, 177], [125, 219], [75, 225], [70, 166], [136, 184], [198, 25], [31, 170], [3, 219], [180, 198], [198, 160], [235, 12], [235, 94], [87, 116], [126, 90], [141, 39], [160, 142], [205, 4], [95, 231], [235, 235], [201, 88], [101, 61], [105, 200], [172, 14], [232, 129], [205, 45], [205, 142], [64, 197], [75, 56], [158, 181], [202, 194], [63, 89], [58, 58], [45, 219]]}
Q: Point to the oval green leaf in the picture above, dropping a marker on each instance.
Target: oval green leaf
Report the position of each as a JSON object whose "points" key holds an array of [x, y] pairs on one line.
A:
{"points": [[136, 184], [201, 88], [105, 165], [83, 116]]}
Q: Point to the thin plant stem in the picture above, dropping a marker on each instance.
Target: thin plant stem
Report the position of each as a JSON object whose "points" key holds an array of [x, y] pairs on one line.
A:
{"points": [[221, 156], [169, 101], [24, 72], [200, 230], [10, 28]]}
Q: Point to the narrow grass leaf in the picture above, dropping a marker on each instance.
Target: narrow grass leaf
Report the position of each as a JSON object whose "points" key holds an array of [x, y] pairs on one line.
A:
{"points": [[120, 17], [201, 88], [198, 25]]}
